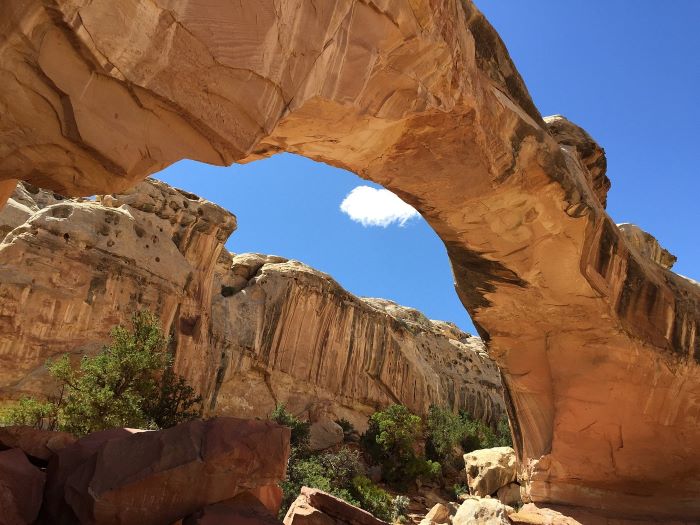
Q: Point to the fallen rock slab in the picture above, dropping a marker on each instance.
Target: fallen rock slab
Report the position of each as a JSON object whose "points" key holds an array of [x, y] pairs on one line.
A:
{"points": [[490, 469], [244, 509], [153, 478], [21, 488], [315, 507], [36, 443]]}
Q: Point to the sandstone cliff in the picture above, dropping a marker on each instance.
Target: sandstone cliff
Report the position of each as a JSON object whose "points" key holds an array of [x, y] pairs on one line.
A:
{"points": [[290, 333], [597, 343], [248, 330]]}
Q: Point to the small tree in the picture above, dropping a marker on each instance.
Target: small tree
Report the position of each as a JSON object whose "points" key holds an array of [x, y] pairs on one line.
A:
{"points": [[391, 440], [445, 430], [129, 383]]}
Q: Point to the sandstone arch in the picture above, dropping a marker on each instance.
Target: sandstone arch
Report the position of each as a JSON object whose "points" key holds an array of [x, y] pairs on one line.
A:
{"points": [[422, 98]]}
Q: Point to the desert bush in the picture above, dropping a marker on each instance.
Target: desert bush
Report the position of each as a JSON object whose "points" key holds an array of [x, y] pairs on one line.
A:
{"points": [[392, 439], [478, 435], [300, 429], [348, 428], [31, 412], [129, 383], [372, 498], [444, 432]]}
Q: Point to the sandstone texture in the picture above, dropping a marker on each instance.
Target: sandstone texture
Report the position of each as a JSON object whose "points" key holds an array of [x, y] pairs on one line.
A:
{"points": [[597, 343], [248, 331], [290, 333], [484, 511], [244, 509], [315, 507], [490, 469], [159, 477], [21, 488], [35, 443]]}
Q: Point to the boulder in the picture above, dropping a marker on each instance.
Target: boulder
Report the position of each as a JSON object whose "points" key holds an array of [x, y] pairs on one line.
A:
{"points": [[153, 478], [510, 494], [490, 469], [484, 511], [325, 434], [315, 507], [244, 509], [36, 443], [439, 514], [61, 466], [21, 488]]}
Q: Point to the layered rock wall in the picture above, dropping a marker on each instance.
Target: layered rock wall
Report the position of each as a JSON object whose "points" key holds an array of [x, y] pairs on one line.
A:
{"points": [[248, 331], [290, 333], [597, 343]]}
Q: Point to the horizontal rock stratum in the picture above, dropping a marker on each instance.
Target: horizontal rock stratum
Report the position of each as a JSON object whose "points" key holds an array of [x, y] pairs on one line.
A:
{"points": [[597, 343], [248, 330]]}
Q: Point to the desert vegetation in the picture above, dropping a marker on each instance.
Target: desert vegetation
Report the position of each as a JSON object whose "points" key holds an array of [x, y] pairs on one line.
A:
{"points": [[403, 447], [129, 383]]}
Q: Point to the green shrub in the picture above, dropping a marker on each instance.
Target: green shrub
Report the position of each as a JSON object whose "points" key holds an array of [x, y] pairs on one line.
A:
{"points": [[459, 489], [129, 383], [444, 432], [300, 429], [372, 498], [29, 411], [399, 508], [478, 435], [391, 441]]}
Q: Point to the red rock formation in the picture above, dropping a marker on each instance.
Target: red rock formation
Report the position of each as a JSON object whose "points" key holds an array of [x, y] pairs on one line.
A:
{"points": [[244, 509], [597, 344], [315, 507], [159, 477], [38, 444], [21, 488]]}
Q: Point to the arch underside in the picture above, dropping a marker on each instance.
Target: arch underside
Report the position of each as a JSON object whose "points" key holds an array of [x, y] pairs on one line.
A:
{"points": [[597, 345]]}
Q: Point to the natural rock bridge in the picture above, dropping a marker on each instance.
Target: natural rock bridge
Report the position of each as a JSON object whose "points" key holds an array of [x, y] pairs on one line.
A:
{"points": [[597, 343]]}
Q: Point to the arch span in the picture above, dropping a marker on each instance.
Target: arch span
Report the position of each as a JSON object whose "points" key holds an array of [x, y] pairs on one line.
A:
{"points": [[597, 344]]}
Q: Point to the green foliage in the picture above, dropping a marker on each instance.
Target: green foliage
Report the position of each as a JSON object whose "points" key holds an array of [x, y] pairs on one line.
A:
{"points": [[129, 383], [300, 429], [444, 432], [372, 498], [399, 508], [478, 435], [459, 489], [391, 441], [29, 411]]}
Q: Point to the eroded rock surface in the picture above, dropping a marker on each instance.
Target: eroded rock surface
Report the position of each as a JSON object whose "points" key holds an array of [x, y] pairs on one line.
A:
{"points": [[490, 469], [290, 333], [315, 507], [248, 331], [21, 488], [598, 345]]}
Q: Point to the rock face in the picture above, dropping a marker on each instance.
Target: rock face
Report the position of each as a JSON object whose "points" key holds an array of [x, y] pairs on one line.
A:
{"points": [[21, 488], [267, 329], [290, 333], [597, 344], [35, 443], [315, 507], [159, 477], [490, 469], [244, 509]]}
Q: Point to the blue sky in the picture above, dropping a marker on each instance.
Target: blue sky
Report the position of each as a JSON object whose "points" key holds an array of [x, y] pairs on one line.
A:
{"points": [[628, 72]]}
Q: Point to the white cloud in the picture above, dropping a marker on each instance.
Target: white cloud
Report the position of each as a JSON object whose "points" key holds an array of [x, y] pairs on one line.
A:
{"points": [[373, 207]]}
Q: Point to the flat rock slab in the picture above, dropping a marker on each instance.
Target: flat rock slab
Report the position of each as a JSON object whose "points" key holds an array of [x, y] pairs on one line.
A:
{"points": [[244, 509]]}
